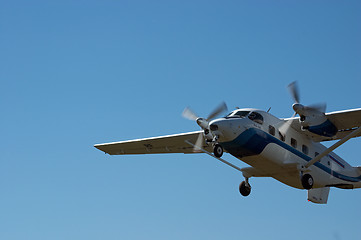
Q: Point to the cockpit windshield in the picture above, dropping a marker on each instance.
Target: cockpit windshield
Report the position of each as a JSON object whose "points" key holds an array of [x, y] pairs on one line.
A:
{"points": [[238, 114]]}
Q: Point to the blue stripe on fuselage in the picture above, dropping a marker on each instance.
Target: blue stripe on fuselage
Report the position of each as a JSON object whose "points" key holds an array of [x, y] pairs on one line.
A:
{"points": [[253, 141]]}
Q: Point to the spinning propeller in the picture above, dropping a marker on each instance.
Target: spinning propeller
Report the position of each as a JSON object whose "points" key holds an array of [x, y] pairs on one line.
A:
{"points": [[302, 110], [312, 114], [204, 122]]}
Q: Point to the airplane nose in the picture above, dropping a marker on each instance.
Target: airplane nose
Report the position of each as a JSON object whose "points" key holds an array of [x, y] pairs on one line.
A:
{"points": [[219, 127], [224, 129]]}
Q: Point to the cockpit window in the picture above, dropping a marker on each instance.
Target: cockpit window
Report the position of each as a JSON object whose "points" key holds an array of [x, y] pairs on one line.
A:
{"points": [[241, 113], [256, 117], [237, 114]]}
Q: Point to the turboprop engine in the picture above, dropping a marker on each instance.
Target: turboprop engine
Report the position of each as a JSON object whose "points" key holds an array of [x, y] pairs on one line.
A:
{"points": [[309, 116], [204, 122], [312, 118]]}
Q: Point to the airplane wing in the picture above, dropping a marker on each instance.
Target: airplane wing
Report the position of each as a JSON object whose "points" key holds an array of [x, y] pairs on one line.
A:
{"points": [[164, 144], [346, 121]]}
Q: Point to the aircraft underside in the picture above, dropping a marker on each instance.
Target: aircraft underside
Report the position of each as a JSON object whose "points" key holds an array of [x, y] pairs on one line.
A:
{"points": [[271, 157]]}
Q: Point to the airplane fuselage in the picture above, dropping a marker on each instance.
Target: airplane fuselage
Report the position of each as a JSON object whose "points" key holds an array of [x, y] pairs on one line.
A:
{"points": [[272, 147]]}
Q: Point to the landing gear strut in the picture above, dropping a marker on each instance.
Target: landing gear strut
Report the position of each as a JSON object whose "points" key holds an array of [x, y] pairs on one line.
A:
{"points": [[307, 181], [218, 150], [245, 188]]}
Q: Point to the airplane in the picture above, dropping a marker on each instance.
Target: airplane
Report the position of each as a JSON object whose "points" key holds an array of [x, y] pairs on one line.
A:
{"points": [[286, 149]]}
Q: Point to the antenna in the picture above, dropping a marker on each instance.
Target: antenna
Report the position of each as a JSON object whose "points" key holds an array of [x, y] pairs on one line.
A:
{"points": [[269, 109]]}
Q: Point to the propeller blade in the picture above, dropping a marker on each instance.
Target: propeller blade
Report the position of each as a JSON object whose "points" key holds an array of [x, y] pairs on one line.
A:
{"points": [[198, 145], [320, 107], [293, 88], [283, 129], [221, 108], [189, 114]]}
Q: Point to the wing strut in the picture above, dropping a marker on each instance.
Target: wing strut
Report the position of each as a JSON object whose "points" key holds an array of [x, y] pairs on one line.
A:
{"points": [[333, 147], [210, 154]]}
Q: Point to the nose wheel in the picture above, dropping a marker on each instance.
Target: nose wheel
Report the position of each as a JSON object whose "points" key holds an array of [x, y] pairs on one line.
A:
{"points": [[218, 150], [245, 188]]}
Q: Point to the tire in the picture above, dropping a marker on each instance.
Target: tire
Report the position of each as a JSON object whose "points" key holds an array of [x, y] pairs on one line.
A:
{"points": [[244, 189], [307, 181], [218, 151]]}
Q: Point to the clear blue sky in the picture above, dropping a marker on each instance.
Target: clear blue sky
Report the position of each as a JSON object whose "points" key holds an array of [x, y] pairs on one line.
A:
{"points": [[77, 73]]}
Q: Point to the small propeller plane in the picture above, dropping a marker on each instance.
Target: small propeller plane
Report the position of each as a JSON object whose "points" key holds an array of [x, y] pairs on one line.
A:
{"points": [[288, 150]]}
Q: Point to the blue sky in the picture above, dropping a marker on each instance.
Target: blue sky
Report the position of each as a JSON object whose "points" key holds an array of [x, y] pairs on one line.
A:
{"points": [[77, 73]]}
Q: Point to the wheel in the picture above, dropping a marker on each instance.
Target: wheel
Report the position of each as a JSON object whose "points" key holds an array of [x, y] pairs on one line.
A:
{"points": [[218, 151], [307, 181], [244, 189]]}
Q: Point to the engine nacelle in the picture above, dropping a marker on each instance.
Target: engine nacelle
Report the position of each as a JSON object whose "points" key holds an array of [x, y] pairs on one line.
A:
{"points": [[312, 120], [315, 121]]}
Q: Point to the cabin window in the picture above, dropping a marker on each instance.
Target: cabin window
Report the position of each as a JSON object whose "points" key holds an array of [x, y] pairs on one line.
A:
{"points": [[305, 149], [282, 137], [271, 130], [293, 142], [256, 117]]}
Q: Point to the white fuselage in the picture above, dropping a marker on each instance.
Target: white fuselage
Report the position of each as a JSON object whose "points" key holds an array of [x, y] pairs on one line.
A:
{"points": [[270, 145]]}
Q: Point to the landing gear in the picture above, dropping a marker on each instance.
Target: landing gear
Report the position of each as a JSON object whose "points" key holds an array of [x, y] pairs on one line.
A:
{"points": [[218, 150], [245, 188], [307, 181]]}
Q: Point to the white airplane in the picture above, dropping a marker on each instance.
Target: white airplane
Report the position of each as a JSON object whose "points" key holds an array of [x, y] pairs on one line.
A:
{"points": [[287, 150]]}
